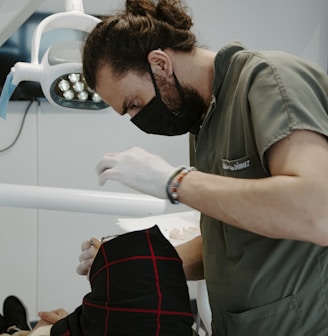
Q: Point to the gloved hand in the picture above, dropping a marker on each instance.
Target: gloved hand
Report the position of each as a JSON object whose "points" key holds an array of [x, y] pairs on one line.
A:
{"points": [[137, 169], [89, 250]]}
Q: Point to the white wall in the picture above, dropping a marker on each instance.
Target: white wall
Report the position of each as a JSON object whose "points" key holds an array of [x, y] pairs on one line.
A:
{"points": [[296, 26], [61, 149], [40, 248]]}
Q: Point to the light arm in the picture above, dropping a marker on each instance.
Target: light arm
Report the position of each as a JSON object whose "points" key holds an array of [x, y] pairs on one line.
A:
{"points": [[78, 200]]}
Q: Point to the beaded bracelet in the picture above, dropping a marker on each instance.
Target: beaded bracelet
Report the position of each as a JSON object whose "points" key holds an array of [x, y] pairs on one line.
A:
{"points": [[172, 193], [169, 182]]}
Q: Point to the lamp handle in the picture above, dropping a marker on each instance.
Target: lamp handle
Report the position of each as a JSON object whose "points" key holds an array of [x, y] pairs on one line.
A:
{"points": [[25, 71]]}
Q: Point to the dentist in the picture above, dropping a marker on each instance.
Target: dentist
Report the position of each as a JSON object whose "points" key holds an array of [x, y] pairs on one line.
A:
{"points": [[258, 129]]}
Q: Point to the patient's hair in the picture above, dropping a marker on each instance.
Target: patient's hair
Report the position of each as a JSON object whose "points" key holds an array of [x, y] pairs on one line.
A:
{"points": [[123, 40], [138, 288]]}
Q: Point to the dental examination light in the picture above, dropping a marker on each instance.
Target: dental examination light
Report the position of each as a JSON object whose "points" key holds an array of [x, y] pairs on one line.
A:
{"points": [[60, 70]]}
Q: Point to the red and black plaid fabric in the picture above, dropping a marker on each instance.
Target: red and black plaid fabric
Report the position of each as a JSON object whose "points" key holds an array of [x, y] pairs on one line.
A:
{"points": [[138, 288]]}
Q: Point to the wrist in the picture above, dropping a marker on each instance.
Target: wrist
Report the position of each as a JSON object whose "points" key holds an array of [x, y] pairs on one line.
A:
{"points": [[175, 181]]}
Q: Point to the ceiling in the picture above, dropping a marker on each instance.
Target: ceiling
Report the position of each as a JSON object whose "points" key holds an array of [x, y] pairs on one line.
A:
{"points": [[94, 7], [15, 12]]}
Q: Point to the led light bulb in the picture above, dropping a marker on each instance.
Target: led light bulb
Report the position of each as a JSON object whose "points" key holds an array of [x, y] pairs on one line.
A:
{"points": [[68, 95], [78, 86], [63, 85], [74, 77], [96, 98], [83, 95]]}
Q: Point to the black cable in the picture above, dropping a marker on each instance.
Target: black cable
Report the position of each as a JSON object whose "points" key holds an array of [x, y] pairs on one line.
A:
{"points": [[20, 129]]}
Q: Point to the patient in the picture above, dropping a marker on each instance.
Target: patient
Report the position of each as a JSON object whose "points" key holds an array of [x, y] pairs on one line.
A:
{"points": [[138, 288]]}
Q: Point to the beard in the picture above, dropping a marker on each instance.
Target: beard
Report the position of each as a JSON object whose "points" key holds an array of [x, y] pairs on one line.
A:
{"points": [[192, 100]]}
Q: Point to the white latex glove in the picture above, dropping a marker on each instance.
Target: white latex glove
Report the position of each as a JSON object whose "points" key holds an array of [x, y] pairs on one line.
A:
{"points": [[137, 169], [89, 250]]}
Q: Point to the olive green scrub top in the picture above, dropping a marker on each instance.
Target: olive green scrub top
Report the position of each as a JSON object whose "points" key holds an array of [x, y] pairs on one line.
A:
{"points": [[258, 285]]}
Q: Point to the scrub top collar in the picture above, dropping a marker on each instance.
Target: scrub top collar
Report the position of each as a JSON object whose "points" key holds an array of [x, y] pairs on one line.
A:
{"points": [[222, 62]]}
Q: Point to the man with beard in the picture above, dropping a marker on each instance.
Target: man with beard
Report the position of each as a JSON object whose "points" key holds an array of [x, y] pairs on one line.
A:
{"points": [[258, 125]]}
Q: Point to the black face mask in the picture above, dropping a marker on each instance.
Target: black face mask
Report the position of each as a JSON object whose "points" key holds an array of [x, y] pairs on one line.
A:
{"points": [[157, 118]]}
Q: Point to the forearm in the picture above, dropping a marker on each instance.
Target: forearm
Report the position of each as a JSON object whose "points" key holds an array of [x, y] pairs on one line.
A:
{"points": [[283, 207], [191, 254]]}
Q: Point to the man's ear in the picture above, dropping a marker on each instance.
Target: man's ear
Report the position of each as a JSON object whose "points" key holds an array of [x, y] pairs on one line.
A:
{"points": [[160, 63]]}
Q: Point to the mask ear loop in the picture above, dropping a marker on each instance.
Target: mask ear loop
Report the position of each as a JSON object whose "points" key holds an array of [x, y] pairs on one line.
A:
{"points": [[179, 88], [154, 81], [177, 85]]}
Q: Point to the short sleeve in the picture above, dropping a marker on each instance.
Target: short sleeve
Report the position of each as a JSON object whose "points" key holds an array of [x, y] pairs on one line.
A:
{"points": [[286, 94]]}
